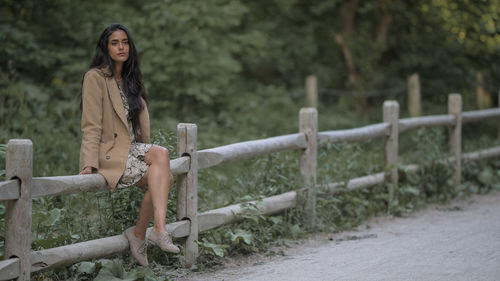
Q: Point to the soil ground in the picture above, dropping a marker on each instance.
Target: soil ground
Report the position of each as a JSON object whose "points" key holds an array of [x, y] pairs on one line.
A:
{"points": [[457, 241]]}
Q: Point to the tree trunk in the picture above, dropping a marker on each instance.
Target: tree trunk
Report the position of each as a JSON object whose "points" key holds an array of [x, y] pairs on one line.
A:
{"points": [[383, 29], [347, 13]]}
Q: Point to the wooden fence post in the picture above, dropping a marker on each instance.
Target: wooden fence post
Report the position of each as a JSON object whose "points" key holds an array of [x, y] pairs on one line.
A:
{"points": [[414, 98], [455, 108], [312, 91], [187, 189], [391, 116], [391, 146], [19, 165], [308, 124], [483, 97]]}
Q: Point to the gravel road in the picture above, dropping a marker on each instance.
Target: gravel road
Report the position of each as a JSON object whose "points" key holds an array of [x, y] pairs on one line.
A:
{"points": [[457, 241]]}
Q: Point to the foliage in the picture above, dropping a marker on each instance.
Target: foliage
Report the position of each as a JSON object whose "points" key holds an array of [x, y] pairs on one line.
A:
{"points": [[222, 64], [236, 69], [190, 46], [56, 223], [201, 57], [211, 248], [103, 270]]}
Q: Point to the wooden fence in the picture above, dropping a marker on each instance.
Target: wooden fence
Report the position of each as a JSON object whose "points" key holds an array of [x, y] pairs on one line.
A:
{"points": [[21, 187]]}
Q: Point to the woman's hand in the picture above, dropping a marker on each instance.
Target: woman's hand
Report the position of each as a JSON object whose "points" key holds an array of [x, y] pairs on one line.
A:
{"points": [[86, 170]]}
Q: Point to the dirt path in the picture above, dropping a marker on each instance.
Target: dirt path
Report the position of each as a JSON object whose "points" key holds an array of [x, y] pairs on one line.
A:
{"points": [[458, 241]]}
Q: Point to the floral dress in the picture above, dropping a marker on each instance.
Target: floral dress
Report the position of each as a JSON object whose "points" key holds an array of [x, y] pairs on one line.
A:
{"points": [[136, 167]]}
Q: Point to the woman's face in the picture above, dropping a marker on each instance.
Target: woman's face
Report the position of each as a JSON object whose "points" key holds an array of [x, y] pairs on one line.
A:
{"points": [[118, 47]]}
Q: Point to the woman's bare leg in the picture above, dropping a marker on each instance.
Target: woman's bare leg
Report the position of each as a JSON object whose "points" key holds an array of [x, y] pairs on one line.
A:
{"points": [[159, 179], [145, 215], [147, 209]]}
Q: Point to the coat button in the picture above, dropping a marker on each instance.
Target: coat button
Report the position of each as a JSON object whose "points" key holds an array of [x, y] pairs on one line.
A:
{"points": [[116, 135], [108, 157]]}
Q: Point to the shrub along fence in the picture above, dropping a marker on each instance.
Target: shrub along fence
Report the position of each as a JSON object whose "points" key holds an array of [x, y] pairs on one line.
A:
{"points": [[21, 186]]}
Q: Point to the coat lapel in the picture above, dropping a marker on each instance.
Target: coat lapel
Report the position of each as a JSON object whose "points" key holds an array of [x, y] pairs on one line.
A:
{"points": [[116, 100]]}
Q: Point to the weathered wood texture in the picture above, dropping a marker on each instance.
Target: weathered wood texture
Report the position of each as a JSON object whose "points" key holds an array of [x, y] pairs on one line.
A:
{"points": [[19, 165], [187, 189], [455, 108], [267, 206], [222, 154], [356, 183], [66, 255], [9, 269], [312, 91], [482, 154], [308, 125], [180, 165], [374, 179], [391, 144], [478, 115], [414, 100], [362, 182], [426, 121], [69, 254], [357, 134], [9, 190], [45, 186], [93, 249]]}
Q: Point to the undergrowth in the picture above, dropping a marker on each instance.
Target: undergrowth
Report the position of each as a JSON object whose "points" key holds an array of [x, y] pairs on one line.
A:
{"points": [[347, 209], [62, 220]]}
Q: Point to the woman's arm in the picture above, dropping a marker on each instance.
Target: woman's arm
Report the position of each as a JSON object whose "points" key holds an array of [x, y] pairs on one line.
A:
{"points": [[92, 94]]}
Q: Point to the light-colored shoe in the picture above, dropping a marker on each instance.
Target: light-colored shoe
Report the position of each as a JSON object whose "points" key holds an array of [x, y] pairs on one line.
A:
{"points": [[138, 247], [164, 241]]}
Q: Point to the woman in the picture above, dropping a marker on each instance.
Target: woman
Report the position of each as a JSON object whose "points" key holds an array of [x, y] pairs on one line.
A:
{"points": [[116, 141]]}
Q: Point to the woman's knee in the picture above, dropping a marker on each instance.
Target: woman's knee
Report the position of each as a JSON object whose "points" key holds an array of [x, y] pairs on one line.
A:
{"points": [[162, 154], [159, 155]]}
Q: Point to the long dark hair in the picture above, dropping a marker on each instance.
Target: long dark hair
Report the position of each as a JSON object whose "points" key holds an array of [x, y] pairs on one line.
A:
{"points": [[133, 85]]}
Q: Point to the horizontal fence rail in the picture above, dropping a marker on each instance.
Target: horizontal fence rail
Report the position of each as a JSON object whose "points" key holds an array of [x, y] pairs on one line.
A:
{"points": [[99, 248], [9, 190], [478, 115], [482, 154], [242, 150], [357, 134], [186, 167], [267, 206], [9, 269], [426, 121], [379, 178], [356, 183], [45, 186]]}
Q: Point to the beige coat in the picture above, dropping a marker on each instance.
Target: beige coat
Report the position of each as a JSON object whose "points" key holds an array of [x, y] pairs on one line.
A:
{"points": [[106, 138]]}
